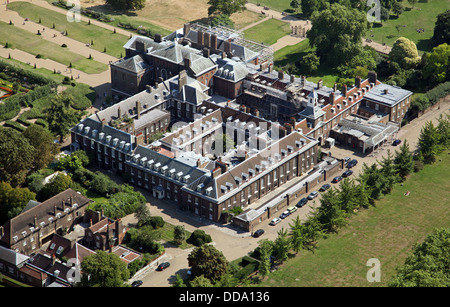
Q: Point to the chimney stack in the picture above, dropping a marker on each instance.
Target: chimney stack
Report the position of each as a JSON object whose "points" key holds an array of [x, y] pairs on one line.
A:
{"points": [[200, 38], [214, 42], [280, 75], [319, 84], [372, 76], [119, 114], [358, 81], [182, 80], [138, 109], [158, 38], [344, 90]]}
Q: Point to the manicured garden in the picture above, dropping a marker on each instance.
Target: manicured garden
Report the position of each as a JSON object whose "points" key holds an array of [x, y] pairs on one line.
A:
{"points": [[82, 31], [268, 32], [34, 44]]}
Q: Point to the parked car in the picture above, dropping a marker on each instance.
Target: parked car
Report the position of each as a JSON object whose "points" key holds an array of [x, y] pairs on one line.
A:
{"points": [[347, 173], [352, 163], [136, 283], [258, 233], [313, 195], [346, 159], [302, 202], [292, 209], [285, 214], [396, 142], [336, 179], [275, 221], [325, 187], [163, 266]]}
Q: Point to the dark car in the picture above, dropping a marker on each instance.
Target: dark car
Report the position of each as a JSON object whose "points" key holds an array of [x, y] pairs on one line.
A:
{"points": [[258, 233], [302, 202], [324, 187], [396, 142], [285, 214], [347, 173], [336, 179], [352, 163], [136, 283], [313, 195], [163, 266]]}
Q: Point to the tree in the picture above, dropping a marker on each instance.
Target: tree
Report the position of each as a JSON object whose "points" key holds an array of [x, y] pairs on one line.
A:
{"points": [[265, 251], [428, 264], [384, 14], [311, 6], [57, 184], [179, 234], [429, 142], [404, 52], [142, 214], [441, 32], [16, 156], [281, 246], [412, 2], [437, 66], [103, 269], [398, 8], [13, 200], [336, 33], [309, 64], [297, 234], [225, 7], [206, 260], [443, 129], [403, 161], [42, 141], [60, 116], [388, 172], [330, 213], [126, 5], [295, 4], [373, 180]]}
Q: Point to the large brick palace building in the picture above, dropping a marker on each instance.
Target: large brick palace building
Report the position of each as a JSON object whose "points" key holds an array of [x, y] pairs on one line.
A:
{"points": [[211, 87]]}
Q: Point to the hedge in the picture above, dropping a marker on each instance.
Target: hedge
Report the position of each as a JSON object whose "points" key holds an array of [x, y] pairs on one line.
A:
{"points": [[431, 97]]}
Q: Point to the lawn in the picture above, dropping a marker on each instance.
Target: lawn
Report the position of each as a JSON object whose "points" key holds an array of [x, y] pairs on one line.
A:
{"points": [[386, 232], [34, 44], [423, 16], [294, 53], [80, 31], [268, 32]]}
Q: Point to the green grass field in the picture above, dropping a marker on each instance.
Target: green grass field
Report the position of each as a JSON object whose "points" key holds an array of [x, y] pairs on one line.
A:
{"points": [[268, 32], [386, 232], [294, 53], [80, 31], [34, 44], [422, 16]]}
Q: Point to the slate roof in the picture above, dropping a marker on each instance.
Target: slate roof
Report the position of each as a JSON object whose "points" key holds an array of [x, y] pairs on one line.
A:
{"points": [[174, 52], [23, 224], [105, 135], [12, 257], [200, 64], [393, 96], [146, 159], [134, 64], [231, 70]]}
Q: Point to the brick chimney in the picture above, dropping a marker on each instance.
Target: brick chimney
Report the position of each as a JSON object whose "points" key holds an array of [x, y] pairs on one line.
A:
{"points": [[358, 81], [138, 109], [182, 80]]}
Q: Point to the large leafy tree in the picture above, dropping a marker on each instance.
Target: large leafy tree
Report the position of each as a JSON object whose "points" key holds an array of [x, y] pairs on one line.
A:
{"points": [[13, 200], [310, 6], [336, 33], [225, 7], [437, 66], [208, 261], [42, 141], [16, 156], [404, 52], [126, 5], [103, 270], [61, 116], [428, 265], [441, 32]]}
